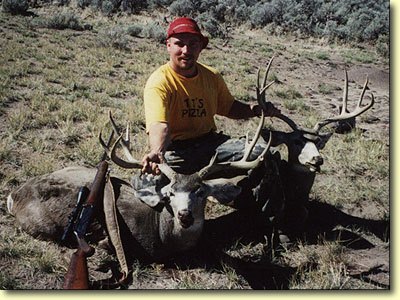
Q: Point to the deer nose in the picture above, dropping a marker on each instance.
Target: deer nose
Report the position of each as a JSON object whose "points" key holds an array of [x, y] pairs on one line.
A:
{"points": [[185, 218], [318, 160]]}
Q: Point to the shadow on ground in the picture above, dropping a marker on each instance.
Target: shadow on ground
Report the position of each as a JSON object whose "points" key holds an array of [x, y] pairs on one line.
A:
{"points": [[221, 233], [261, 273]]}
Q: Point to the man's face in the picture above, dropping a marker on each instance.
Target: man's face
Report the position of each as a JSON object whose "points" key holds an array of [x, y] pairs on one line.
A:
{"points": [[184, 50]]}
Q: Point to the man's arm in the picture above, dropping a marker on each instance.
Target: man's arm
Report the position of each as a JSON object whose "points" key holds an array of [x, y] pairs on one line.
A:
{"points": [[240, 110], [159, 140]]}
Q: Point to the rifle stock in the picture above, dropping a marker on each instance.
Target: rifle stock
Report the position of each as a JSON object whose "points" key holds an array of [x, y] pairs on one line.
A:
{"points": [[77, 276]]}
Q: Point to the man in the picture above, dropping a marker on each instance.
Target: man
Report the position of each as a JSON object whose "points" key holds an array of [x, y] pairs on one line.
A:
{"points": [[181, 99]]}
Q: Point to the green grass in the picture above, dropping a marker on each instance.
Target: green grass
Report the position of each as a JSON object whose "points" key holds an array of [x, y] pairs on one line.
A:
{"points": [[323, 267], [350, 157], [362, 56], [57, 87]]}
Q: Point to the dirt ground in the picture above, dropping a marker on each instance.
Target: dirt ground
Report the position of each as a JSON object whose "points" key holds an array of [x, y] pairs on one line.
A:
{"points": [[367, 260]]}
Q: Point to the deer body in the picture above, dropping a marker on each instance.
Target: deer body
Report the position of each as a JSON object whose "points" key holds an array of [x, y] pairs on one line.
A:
{"points": [[41, 207], [155, 220]]}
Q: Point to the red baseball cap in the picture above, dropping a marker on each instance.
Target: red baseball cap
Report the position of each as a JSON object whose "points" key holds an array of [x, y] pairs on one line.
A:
{"points": [[186, 25]]}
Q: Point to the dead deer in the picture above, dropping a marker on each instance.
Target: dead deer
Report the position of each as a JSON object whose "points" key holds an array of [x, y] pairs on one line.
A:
{"points": [[166, 222], [293, 179]]}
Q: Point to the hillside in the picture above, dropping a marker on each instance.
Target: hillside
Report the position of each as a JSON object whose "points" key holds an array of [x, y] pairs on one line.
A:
{"points": [[57, 86]]}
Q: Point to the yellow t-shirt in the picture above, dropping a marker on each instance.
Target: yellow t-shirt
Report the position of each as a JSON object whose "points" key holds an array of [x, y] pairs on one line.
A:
{"points": [[188, 105]]}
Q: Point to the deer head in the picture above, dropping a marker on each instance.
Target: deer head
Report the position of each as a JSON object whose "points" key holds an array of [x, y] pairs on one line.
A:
{"points": [[184, 196], [303, 144]]}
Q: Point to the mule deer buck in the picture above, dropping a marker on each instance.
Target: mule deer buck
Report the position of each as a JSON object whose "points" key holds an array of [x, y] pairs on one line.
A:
{"points": [[170, 220], [288, 183]]}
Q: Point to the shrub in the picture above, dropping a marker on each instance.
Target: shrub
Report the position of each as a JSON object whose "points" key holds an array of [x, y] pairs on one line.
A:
{"points": [[134, 30], [108, 7], [132, 6], [84, 3], [15, 6], [182, 8], [159, 3], [66, 20], [382, 45], [211, 25], [348, 20], [241, 13], [114, 37], [300, 17], [155, 32], [262, 15]]}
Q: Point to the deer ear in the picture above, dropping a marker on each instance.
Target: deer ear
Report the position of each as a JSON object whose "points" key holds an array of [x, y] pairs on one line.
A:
{"points": [[148, 196], [224, 190], [145, 190], [324, 138]]}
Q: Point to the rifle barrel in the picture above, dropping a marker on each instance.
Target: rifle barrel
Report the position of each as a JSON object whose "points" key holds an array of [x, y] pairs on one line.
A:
{"points": [[77, 276], [97, 187]]}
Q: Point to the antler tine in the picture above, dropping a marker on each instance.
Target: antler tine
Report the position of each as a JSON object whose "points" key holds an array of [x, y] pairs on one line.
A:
{"points": [[344, 114], [167, 171], [345, 93], [113, 124], [128, 136], [243, 164], [260, 90], [105, 145], [125, 143], [110, 138], [249, 146], [267, 71], [131, 164], [363, 92]]}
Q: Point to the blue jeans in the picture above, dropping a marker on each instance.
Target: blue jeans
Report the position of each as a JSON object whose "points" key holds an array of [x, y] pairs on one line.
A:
{"points": [[190, 156]]}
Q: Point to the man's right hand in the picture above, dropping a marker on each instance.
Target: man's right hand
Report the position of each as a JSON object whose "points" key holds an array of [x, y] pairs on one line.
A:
{"points": [[150, 163], [158, 141]]}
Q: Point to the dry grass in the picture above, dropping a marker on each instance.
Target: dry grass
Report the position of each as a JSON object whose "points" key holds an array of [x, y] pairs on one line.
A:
{"points": [[57, 86]]}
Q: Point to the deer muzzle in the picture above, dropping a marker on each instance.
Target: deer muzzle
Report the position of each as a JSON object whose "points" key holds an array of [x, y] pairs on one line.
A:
{"points": [[185, 218], [315, 164]]}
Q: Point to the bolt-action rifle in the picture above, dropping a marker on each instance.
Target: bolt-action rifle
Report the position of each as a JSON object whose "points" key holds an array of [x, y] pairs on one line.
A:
{"points": [[77, 276]]}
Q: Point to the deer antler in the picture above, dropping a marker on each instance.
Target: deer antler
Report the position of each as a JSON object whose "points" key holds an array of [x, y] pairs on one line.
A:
{"points": [[345, 114], [261, 99], [260, 89], [131, 162], [243, 164], [125, 143]]}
